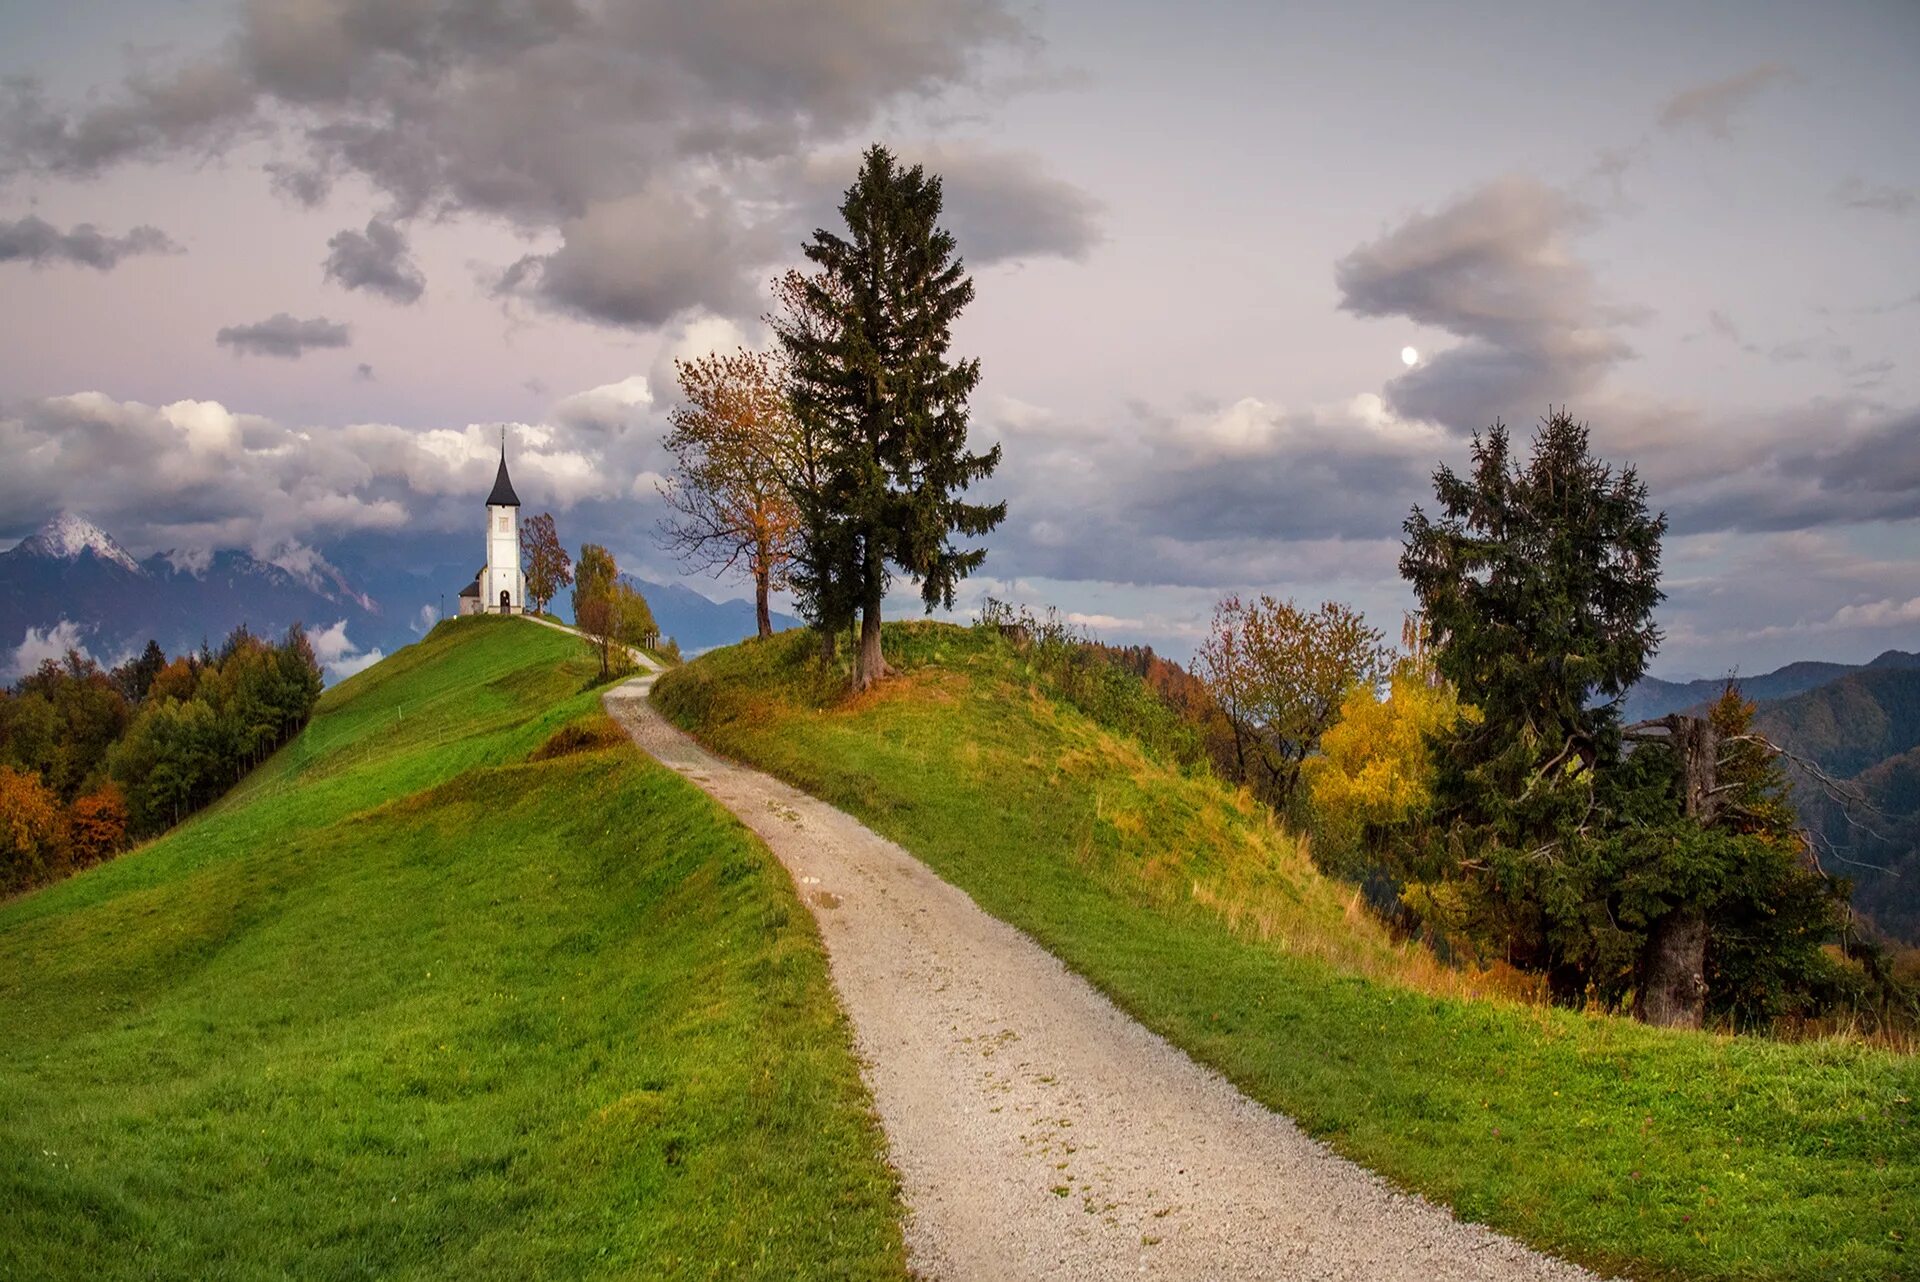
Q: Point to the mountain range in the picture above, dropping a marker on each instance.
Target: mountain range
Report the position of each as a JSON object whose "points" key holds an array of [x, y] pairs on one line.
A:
{"points": [[698, 623], [72, 583], [1652, 697]]}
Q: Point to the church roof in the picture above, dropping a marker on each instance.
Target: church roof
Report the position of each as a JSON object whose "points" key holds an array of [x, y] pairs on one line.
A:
{"points": [[503, 495]]}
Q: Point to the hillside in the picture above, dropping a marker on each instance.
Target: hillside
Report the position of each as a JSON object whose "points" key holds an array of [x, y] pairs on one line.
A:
{"points": [[1653, 1153], [458, 984]]}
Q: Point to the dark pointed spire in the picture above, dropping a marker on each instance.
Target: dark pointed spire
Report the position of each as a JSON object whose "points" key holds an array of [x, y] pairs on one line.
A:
{"points": [[503, 495]]}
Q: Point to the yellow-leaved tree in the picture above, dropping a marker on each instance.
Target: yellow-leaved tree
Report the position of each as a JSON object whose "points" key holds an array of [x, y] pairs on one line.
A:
{"points": [[1373, 773]]}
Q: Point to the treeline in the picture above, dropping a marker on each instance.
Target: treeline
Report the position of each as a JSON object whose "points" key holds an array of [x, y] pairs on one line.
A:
{"points": [[92, 760]]}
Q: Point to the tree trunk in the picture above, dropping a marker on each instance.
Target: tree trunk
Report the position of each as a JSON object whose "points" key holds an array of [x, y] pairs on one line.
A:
{"points": [[869, 665], [829, 644], [1673, 980], [762, 615]]}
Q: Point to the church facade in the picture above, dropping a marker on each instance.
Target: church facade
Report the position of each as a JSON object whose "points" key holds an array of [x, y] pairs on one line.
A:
{"points": [[500, 586]]}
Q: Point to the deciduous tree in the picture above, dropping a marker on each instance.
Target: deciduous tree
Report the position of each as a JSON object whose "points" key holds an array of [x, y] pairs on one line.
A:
{"points": [[1373, 775], [32, 839], [1279, 673], [594, 609], [734, 445], [545, 562]]}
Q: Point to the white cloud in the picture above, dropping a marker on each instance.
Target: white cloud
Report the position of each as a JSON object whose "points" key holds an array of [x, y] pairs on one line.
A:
{"points": [[338, 655], [194, 476], [40, 645]]}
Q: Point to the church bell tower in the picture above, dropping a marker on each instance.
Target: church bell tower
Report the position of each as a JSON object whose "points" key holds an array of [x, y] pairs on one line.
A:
{"points": [[503, 588]]}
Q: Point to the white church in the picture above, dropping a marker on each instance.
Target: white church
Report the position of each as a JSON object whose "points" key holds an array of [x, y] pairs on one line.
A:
{"points": [[500, 587]]}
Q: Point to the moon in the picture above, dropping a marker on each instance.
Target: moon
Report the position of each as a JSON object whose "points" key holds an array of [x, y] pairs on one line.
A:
{"points": [[1409, 357]]}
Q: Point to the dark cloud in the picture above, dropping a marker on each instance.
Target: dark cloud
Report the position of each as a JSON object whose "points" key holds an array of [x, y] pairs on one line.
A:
{"points": [[38, 242], [1214, 498], [646, 259], [1828, 464], [375, 260], [363, 372], [1001, 206], [558, 116], [203, 106], [1495, 269], [284, 336], [1711, 107], [1855, 194]]}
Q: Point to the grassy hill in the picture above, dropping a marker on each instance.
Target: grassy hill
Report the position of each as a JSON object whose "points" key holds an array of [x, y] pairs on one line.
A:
{"points": [[424, 999], [1662, 1154]]}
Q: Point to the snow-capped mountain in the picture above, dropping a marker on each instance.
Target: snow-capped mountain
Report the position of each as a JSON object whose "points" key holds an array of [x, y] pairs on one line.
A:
{"points": [[68, 535], [73, 580]]}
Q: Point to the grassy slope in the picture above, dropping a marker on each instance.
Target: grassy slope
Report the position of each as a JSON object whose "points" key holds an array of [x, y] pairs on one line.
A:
{"points": [[1658, 1154], [410, 1005]]}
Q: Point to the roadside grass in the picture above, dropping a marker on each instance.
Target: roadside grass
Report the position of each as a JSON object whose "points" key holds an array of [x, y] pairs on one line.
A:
{"points": [[1651, 1153], [411, 1004]]}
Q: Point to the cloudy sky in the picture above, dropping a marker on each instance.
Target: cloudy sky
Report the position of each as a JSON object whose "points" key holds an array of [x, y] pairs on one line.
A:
{"points": [[277, 272]]}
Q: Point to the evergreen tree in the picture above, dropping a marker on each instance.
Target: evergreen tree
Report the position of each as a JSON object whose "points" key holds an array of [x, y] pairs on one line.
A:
{"points": [[1538, 583], [873, 376]]}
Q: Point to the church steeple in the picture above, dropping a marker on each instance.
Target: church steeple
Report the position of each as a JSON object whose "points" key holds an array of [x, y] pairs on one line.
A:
{"points": [[503, 495]]}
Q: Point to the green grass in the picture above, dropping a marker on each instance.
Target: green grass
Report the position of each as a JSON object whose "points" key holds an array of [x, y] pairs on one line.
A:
{"points": [[410, 1004], [1658, 1154]]}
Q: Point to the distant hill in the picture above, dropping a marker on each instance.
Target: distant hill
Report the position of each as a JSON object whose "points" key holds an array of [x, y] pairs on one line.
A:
{"points": [[699, 623], [1852, 723], [73, 572], [1652, 697], [1864, 729]]}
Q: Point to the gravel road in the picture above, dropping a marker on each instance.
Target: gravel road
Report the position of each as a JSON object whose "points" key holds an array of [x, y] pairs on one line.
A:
{"points": [[1039, 1132]]}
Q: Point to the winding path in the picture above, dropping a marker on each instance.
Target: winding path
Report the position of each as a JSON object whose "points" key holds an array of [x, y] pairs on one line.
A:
{"points": [[1039, 1132]]}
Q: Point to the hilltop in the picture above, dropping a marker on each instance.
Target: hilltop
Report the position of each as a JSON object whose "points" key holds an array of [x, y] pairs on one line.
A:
{"points": [[458, 983]]}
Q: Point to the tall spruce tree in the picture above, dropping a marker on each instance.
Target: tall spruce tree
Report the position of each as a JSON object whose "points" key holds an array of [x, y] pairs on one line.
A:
{"points": [[873, 377], [1538, 583]]}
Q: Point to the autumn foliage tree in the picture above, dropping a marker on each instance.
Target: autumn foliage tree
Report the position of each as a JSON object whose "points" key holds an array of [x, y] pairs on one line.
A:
{"points": [[1373, 776], [595, 610], [32, 836], [735, 443], [872, 376], [97, 825], [547, 566], [1279, 674]]}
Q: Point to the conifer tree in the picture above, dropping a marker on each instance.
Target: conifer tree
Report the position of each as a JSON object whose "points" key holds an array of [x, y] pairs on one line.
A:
{"points": [[1538, 584], [873, 376]]}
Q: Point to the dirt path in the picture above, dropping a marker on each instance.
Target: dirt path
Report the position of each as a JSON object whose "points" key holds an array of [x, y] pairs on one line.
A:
{"points": [[1038, 1131]]}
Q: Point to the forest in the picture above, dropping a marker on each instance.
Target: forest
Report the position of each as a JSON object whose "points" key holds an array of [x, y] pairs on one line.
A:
{"points": [[92, 760]]}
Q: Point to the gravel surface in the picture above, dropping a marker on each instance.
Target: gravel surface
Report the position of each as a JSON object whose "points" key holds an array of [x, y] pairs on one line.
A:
{"points": [[1039, 1132]]}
